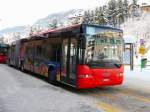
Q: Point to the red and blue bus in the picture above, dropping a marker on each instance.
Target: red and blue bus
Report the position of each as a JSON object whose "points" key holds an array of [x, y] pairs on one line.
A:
{"points": [[82, 56], [3, 53]]}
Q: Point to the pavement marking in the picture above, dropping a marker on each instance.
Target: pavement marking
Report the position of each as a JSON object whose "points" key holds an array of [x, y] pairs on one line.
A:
{"points": [[96, 93], [105, 95], [130, 93], [107, 107]]}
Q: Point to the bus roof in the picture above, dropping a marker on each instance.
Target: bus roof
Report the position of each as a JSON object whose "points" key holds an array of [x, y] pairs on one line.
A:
{"points": [[104, 27], [56, 31], [61, 29], [77, 26]]}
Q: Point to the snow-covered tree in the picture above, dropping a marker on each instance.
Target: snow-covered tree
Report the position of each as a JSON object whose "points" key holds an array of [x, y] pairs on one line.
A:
{"points": [[120, 12], [134, 2], [138, 29], [1, 39], [54, 23], [112, 12], [105, 14], [86, 17], [92, 17], [126, 9], [17, 35], [135, 9], [101, 17], [97, 15], [31, 31]]}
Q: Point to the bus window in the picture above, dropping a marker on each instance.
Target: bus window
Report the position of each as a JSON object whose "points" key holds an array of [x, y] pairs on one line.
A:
{"points": [[73, 56], [39, 51]]}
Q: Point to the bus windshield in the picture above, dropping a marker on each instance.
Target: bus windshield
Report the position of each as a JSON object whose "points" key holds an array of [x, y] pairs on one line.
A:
{"points": [[103, 46]]}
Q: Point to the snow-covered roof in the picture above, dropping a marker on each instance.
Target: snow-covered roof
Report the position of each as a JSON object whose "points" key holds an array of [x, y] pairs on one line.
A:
{"points": [[145, 5]]}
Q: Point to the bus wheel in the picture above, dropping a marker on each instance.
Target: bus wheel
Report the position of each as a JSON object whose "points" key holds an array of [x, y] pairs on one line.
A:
{"points": [[52, 77], [8, 62], [22, 68]]}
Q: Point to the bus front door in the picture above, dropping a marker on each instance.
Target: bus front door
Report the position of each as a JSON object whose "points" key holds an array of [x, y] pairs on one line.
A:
{"points": [[68, 64]]}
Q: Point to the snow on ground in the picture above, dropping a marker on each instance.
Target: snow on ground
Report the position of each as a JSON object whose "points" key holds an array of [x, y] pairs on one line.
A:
{"points": [[138, 78], [142, 74], [20, 92], [135, 29]]}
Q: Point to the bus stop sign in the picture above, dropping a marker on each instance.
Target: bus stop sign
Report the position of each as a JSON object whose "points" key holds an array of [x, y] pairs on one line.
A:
{"points": [[142, 50]]}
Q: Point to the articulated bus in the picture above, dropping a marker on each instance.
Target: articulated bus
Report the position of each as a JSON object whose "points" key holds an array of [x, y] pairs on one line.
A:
{"points": [[3, 53], [14, 53], [82, 56]]}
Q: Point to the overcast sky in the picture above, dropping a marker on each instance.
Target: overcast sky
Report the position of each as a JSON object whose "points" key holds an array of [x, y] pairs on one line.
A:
{"points": [[24, 12]]}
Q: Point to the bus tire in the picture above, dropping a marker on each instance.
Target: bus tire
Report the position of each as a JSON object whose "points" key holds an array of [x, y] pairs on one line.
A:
{"points": [[8, 62], [22, 67], [52, 79]]}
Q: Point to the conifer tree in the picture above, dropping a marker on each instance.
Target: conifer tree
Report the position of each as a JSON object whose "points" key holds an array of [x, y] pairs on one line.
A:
{"points": [[54, 24], [105, 14], [92, 17], [120, 12], [97, 15], [135, 12], [102, 20], [134, 2], [112, 12], [86, 18], [126, 9]]}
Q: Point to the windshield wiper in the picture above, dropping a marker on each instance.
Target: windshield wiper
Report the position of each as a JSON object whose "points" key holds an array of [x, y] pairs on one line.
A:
{"points": [[117, 65]]}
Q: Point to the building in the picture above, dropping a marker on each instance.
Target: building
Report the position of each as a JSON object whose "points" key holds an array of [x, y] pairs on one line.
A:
{"points": [[134, 11], [145, 8]]}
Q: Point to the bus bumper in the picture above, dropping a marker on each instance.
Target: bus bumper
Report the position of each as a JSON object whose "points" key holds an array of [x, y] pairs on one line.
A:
{"points": [[97, 82]]}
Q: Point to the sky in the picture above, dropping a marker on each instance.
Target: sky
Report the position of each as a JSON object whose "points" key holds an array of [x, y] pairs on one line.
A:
{"points": [[22, 12], [26, 12]]}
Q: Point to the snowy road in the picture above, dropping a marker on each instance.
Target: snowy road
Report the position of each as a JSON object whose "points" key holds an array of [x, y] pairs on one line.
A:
{"points": [[20, 92], [132, 96]]}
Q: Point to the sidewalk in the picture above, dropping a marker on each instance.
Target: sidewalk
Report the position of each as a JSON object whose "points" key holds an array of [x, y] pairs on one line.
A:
{"points": [[137, 73]]}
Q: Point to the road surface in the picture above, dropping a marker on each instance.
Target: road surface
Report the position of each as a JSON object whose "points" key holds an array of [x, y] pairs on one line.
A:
{"points": [[22, 92]]}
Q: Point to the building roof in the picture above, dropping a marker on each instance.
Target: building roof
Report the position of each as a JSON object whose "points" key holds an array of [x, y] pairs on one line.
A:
{"points": [[145, 6]]}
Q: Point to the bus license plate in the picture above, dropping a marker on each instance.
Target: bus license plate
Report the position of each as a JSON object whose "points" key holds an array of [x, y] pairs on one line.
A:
{"points": [[106, 80], [106, 74]]}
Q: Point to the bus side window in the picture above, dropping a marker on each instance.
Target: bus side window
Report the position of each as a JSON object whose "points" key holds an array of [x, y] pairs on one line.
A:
{"points": [[73, 56], [73, 53], [39, 51], [81, 51]]}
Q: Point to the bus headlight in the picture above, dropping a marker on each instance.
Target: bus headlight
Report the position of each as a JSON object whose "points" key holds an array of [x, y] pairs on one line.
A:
{"points": [[120, 74]]}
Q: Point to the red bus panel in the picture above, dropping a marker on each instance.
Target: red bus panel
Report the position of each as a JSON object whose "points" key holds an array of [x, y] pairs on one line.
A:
{"points": [[90, 78], [3, 59]]}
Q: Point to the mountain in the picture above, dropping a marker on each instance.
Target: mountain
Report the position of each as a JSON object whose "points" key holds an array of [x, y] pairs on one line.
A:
{"points": [[13, 29], [62, 18]]}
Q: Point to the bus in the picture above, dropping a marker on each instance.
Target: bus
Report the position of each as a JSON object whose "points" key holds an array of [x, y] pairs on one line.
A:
{"points": [[14, 53], [3, 53], [82, 56]]}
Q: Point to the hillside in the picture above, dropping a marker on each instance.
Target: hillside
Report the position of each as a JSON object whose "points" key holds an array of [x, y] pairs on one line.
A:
{"points": [[13, 29], [61, 17]]}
